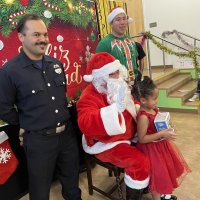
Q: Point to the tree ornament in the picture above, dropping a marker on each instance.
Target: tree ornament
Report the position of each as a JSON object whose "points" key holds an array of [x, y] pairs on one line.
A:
{"points": [[69, 7], [24, 2], [92, 36], [51, 6], [15, 15], [9, 1], [91, 11], [47, 14], [1, 45], [60, 38], [81, 58], [87, 53]]}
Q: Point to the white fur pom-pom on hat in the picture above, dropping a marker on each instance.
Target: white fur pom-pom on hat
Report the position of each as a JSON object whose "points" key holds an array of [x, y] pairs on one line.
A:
{"points": [[100, 65], [88, 78], [114, 12], [130, 20]]}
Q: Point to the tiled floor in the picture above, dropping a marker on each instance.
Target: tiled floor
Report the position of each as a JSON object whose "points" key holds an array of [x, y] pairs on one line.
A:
{"points": [[188, 141]]}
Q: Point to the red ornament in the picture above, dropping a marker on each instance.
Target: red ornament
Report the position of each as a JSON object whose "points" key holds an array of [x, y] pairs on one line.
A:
{"points": [[24, 2]]}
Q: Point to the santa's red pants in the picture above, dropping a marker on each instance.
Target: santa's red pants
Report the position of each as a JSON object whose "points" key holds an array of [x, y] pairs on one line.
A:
{"points": [[135, 164]]}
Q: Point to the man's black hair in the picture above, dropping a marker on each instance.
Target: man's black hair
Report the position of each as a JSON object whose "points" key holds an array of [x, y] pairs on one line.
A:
{"points": [[21, 24]]}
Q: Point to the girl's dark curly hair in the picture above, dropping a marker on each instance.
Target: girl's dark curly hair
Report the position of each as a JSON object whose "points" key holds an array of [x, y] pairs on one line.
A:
{"points": [[144, 88]]}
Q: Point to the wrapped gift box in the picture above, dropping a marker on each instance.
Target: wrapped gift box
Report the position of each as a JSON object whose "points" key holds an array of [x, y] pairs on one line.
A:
{"points": [[162, 121]]}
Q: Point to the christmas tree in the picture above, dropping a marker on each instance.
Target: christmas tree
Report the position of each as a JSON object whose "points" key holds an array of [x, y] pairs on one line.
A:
{"points": [[76, 12]]}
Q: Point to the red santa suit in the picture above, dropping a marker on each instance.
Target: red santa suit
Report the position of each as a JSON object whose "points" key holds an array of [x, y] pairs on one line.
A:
{"points": [[107, 134]]}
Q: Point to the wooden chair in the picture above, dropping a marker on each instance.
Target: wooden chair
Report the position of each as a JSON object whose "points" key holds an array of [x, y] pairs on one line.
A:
{"points": [[112, 169]]}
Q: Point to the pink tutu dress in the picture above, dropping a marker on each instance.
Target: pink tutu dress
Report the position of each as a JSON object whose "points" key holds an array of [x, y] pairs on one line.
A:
{"points": [[167, 165]]}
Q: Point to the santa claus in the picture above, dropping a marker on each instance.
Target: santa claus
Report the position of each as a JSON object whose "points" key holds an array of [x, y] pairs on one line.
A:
{"points": [[106, 117]]}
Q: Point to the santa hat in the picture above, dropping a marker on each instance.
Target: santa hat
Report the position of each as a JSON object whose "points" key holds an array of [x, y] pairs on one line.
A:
{"points": [[100, 65], [116, 11]]}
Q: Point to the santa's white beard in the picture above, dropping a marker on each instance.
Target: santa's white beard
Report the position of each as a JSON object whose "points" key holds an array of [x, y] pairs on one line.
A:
{"points": [[113, 86], [110, 87], [100, 84]]}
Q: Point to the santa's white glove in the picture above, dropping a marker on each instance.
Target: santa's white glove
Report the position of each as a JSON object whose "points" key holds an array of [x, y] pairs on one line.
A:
{"points": [[121, 99]]}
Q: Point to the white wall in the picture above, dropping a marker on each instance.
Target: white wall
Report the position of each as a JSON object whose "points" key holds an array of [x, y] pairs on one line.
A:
{"points": [[181, 15]]}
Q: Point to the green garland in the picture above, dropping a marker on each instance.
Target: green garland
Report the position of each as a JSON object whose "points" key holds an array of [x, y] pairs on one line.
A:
{"points": [[79, 13], [190, 54]]}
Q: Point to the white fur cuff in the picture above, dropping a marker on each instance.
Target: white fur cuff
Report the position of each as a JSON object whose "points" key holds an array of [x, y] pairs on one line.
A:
{"points": [[3, 137], [134, 183], [100, 147], [110, 120]]}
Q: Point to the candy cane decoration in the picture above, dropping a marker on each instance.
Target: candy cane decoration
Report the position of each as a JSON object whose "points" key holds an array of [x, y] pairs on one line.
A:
{"points": [[15, 15], [51, 6]]}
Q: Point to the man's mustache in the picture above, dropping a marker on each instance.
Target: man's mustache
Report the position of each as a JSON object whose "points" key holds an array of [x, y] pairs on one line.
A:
{"points": [[41, 43]]}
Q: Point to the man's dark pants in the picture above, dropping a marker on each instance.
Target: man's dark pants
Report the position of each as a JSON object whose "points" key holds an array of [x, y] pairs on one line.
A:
{"points": [[45, 153]]}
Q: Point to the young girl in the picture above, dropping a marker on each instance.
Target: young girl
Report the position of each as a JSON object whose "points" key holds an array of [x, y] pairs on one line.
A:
{"points": [[168, 166]]}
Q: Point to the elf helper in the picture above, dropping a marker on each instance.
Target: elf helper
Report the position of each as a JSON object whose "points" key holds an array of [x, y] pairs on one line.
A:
{"points": [[119, 44], [106, 117]]}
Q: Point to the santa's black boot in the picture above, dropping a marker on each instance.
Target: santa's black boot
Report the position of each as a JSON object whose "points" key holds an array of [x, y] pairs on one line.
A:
{"points": [[168, 197], [133, 194]]}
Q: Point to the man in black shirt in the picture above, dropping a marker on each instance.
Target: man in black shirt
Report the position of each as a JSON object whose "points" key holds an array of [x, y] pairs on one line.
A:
{"points": [[139, 60], [33, 96]]}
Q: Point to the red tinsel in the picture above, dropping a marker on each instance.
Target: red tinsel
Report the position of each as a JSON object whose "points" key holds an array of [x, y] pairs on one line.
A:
{"points": [[142, 42]]}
